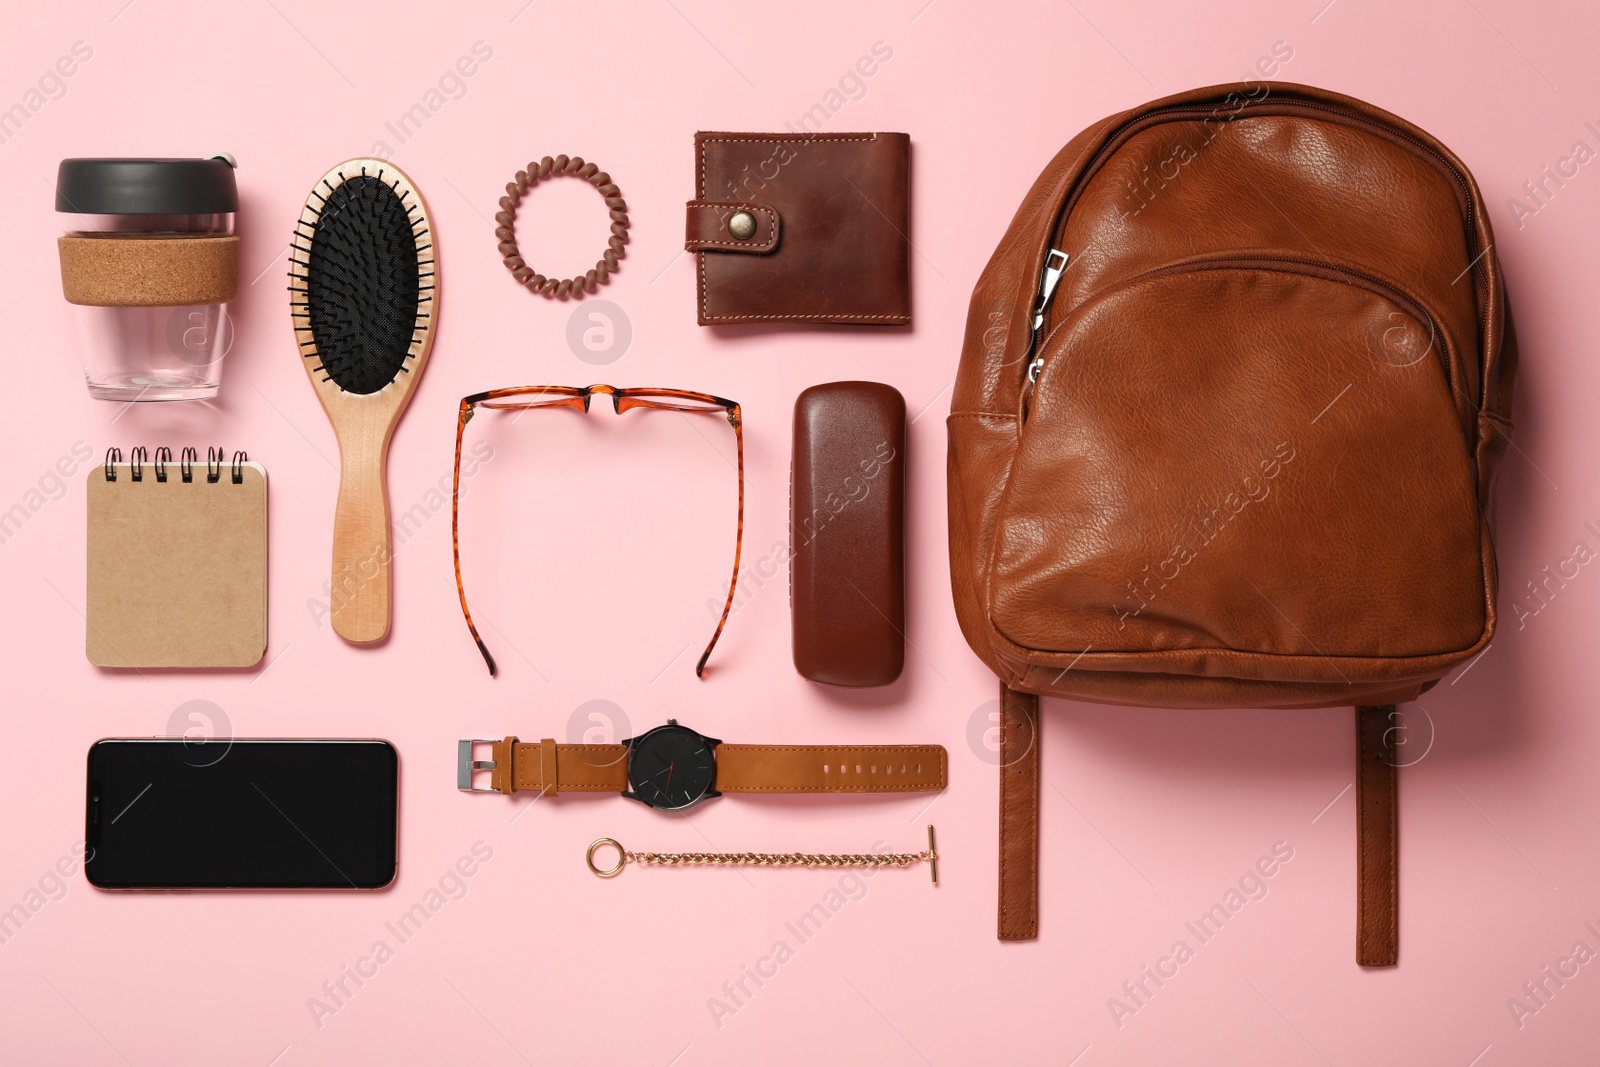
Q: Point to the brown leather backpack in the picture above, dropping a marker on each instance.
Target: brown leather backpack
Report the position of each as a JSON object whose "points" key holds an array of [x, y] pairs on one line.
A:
{"points": [[1231, 394]]}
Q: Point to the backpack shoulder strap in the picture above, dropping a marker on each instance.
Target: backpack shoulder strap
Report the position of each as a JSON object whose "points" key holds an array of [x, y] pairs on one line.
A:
{"points": [[1377, 838], [1019, 815], [1377, 827]]}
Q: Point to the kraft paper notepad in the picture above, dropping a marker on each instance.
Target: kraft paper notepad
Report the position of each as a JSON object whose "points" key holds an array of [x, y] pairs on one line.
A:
{"points": [[177, 562]]}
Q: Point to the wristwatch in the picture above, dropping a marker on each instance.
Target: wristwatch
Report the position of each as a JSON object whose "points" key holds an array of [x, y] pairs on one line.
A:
{"points": [[673, 767]]}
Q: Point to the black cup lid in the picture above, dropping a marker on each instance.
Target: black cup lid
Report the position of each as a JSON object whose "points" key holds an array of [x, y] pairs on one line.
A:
{"points": [[147, 186]]}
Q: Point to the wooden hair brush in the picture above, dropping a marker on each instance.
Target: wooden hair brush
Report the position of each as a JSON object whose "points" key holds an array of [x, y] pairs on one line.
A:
{"points": [[364, 299]]}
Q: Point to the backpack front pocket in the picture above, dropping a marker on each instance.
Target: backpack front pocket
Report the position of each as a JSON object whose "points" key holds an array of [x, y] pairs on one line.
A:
{"points": [[1244, 467]]}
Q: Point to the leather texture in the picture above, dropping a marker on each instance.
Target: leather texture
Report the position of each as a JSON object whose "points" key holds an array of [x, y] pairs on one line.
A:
{"points": [[1019, 815], [521, 766], [1172, 515], [548, 768], [705, 227], [844, 253], [1247, 459], [830, 768], [847, 534], [1377, 839]]}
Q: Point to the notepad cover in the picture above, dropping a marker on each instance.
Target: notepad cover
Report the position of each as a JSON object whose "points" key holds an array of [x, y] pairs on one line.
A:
{"points": [[177, 571]]}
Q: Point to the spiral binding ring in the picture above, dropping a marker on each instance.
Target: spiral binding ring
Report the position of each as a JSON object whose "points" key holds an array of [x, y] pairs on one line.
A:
{"points": [[139, 456], [506, 221]]}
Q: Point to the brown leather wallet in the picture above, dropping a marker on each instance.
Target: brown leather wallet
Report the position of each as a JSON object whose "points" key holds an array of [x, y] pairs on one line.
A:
{"points": [[802, 227], [847, 534]]}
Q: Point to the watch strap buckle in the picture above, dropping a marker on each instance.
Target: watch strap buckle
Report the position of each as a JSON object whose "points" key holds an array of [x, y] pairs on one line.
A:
{"points": [[466, 766]]}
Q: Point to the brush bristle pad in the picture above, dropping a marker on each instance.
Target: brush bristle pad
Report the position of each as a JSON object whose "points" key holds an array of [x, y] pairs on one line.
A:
{"points": [[362, 283]]}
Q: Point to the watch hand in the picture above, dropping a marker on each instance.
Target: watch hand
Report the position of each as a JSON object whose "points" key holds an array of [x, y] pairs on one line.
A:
{"points": [[668, 790]]}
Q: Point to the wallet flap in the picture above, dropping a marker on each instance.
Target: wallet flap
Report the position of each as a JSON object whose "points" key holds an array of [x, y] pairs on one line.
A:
{"points": [[730, 226]]}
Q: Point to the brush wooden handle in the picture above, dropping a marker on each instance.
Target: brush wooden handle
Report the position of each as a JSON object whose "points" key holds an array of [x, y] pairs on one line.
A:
{"points": [[363, 422], [361, 549]]}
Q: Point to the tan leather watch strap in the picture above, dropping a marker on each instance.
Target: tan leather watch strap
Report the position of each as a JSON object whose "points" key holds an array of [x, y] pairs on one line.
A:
{"points": [[830, 768], [552, 769], [1377, 839], [1019, 815], [549, 768]]}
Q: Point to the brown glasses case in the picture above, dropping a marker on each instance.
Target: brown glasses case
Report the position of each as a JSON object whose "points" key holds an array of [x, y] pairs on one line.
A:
{"points": [[847, 533]]}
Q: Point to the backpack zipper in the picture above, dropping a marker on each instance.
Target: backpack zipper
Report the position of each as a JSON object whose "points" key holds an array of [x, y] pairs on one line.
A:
{"points": [[1284, 265], [1055, 264], [1155, 118], [1048, 281]]}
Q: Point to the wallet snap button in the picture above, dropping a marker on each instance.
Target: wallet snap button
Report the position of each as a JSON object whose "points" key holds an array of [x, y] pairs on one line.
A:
{"points": [[742, 225]]}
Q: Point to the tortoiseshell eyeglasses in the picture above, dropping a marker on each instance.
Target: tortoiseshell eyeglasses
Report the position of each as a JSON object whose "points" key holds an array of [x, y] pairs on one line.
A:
{"points": [[528, 397]]}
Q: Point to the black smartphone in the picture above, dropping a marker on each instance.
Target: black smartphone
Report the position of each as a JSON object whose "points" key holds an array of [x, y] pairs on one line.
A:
{"points": [[174, 813]]}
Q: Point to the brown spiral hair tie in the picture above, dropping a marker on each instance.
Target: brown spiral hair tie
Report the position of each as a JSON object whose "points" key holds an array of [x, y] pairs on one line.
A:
{"points": [[506, 220]]}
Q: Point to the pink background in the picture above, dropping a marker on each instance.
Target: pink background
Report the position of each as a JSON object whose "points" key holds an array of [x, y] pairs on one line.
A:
{"points": [[593, 545]]}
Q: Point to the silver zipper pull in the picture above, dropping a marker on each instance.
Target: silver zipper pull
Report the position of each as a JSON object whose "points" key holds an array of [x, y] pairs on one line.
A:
{"points": [[1055, 265]]}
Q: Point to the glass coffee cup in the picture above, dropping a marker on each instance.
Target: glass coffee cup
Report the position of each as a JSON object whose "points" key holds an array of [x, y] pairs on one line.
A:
{"points": [[150, 262]]}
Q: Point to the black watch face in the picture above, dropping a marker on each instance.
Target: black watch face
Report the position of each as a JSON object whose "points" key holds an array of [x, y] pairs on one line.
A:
{"points": [[671, 767]]}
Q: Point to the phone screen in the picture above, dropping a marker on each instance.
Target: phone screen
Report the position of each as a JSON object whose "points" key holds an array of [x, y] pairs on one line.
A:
{"points": [[241, 814]]}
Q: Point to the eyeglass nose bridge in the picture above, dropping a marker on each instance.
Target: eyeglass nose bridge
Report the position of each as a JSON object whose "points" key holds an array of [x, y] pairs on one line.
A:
{"points": [[610, 390]]}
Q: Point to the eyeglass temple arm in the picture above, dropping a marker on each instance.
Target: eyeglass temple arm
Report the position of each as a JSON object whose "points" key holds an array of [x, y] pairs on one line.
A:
{"points": [[455, 532], [734, 417]]}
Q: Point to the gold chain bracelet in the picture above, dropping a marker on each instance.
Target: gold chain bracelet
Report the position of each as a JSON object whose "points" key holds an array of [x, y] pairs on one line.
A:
{"points": [[763, 859]]}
